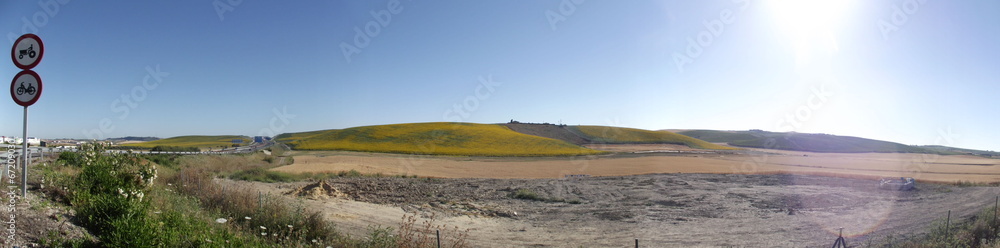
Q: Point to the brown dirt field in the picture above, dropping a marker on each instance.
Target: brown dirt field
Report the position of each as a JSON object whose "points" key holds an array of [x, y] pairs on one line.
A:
{"points": [[923, 167], [630, 198], [664, 210]]}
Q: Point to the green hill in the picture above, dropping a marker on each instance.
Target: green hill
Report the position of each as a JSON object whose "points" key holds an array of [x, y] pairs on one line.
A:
{"points": [[192, 141], [953, 150], [803, 142], [621, 135], [439, 138]]}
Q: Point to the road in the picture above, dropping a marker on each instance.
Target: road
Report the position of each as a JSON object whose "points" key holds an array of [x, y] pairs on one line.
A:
{"points": [[40, 151]]}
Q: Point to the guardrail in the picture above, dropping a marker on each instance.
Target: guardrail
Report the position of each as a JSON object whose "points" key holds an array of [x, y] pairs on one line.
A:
{"points": [[42, 150]]}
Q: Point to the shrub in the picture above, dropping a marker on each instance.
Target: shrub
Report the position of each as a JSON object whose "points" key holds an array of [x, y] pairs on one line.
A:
{"points": [[108, 197], [527, 194], [70, 158]]}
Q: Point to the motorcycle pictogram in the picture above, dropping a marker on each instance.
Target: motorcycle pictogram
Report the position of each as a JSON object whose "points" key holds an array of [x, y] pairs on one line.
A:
{"points": [[30, 89]]}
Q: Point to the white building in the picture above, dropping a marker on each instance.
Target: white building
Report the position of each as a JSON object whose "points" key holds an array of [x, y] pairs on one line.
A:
{"points": [[33, 141]]}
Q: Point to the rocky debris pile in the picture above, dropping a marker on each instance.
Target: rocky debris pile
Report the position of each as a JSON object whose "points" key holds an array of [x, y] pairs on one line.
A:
{"points": [[317, 191]]}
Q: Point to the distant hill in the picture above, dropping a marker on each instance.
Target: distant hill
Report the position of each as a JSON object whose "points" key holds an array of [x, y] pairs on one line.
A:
{"points": [[192, 141], [559, 132], [953, 150], [133, 138], [621, 135], [581, 135], [806, 142], [439, 138]]}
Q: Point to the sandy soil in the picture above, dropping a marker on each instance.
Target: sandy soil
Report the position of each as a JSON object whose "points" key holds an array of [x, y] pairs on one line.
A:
{"points": [[666, 210], [657, 160], [624, 197]]}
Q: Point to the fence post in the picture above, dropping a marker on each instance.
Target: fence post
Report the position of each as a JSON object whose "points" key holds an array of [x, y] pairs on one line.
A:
{"points": [[947, 224], [438, 234], [995, 205], [260, 200], [636, 243]]}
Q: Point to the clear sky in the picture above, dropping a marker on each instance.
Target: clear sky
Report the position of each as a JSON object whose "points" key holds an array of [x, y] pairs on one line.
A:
{"points": [[915, 72]]}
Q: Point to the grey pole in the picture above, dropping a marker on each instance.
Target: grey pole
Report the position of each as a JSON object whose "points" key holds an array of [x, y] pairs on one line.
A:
{"points": [[24, 156]]}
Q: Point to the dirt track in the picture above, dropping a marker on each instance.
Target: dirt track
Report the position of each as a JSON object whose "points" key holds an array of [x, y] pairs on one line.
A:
{"points": [[667, 210]]}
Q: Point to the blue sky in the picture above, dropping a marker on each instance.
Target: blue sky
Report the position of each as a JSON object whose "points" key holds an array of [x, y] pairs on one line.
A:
{"points": [[915, 72]]}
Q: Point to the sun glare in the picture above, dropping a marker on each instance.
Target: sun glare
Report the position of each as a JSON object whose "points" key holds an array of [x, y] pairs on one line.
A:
{"points": [[810, 25]]}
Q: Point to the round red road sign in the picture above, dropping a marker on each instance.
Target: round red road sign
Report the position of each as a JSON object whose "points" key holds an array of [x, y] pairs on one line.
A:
{"points": [[26, 88], [27, 51]]}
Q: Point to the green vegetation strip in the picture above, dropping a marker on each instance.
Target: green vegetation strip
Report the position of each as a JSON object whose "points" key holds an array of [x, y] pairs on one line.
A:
{"points": [[192, 141], [440, 138]]}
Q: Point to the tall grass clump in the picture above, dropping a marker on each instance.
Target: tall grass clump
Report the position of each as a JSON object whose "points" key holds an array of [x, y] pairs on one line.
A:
{"points": [[268, 217]]}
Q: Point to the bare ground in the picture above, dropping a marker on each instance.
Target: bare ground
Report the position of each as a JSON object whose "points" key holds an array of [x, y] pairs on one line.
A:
{"points": [[652, 159], [665, 210]]}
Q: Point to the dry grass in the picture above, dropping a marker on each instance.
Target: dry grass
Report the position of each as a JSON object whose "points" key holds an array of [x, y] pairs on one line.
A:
{"points": [[412, 235], [946, 169], [285, 222]]}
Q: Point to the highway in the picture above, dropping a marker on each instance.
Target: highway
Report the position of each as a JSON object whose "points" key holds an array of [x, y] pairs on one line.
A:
{"points": [[40, 151]]}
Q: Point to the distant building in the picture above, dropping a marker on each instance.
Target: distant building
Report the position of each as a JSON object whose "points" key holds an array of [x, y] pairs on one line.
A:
{"points": [[33, 141]]}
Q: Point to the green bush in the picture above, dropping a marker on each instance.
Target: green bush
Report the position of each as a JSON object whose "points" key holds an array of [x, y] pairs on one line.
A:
{"points": [[108, 197], [528, 194], [70, 158]]}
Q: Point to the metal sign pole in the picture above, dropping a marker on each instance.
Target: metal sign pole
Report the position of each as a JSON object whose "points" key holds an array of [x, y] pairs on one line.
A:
{"points": [[24, 156]]}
